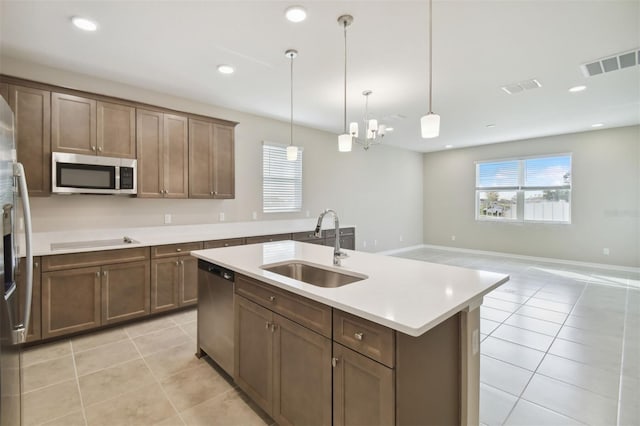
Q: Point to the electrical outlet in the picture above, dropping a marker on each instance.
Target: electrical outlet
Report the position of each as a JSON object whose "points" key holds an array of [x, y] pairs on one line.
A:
{"points": [[167, 219], [254, 215], [401, 238], [606, 251], [364, 244], [221, 216], [307, 213], [375, 243], [453, 238]]}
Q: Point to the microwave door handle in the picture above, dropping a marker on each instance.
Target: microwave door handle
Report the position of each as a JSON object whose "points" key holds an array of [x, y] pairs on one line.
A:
{"points": [[20, 331]]}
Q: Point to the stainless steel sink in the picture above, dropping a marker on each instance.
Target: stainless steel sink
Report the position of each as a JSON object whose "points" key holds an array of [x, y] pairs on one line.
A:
{"points": [[315, 275], [93, 243]]}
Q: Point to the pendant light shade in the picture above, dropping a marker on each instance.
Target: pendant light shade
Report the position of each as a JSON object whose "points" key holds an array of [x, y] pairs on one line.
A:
{"points": [[430, 125], [292, 153], [344, 142]]}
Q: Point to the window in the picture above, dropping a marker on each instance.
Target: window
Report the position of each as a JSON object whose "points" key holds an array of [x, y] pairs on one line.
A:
{"points": [[281, 180], [529, 189]]}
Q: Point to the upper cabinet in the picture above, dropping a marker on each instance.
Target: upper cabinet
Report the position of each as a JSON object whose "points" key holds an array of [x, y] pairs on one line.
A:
{"points": [[162, 155], [32, 110], [86, 126], [211, 160]]}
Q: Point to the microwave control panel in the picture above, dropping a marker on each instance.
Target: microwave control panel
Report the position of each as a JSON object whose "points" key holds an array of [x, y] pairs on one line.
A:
{"points": [[126, 177]]}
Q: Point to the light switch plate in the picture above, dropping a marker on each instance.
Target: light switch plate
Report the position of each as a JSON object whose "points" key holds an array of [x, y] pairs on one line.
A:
{"points": [[167, 219], [221, 216]]}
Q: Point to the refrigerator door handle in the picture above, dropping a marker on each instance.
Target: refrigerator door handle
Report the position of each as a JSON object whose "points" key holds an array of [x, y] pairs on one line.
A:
{"points": [[20, 330]]}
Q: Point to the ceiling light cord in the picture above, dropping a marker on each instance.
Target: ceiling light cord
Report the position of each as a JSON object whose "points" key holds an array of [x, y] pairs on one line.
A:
{"points": [[345, 77], [430, 54], [291, 122]]}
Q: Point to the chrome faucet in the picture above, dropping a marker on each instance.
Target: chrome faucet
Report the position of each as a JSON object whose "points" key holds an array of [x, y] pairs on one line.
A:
{"points": [[337, 254]]}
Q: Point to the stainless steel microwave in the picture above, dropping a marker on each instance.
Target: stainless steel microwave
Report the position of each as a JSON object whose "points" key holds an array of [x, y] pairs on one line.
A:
{"points": [[92, 174]]}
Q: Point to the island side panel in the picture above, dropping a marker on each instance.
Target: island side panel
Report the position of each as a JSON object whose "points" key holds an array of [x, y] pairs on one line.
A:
{"points": [[470, 365], [428, 385]]}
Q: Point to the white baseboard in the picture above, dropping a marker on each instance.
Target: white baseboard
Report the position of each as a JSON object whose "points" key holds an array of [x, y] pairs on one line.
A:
{"points": [[518, 256]]}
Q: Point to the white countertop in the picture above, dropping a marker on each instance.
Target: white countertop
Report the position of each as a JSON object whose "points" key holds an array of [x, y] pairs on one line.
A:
{"points": [[168, 234], [406, 295]]}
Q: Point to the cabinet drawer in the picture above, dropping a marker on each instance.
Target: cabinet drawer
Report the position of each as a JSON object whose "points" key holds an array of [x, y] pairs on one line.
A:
{"points": [[93, 258], [373, 340], [268, 238], [224, 243], [330, 233], [309, 313], [169, 250]]}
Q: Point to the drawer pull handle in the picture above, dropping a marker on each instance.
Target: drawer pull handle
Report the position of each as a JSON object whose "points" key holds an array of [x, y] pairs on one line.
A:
{"points": [[272, 298], [359, 336]]}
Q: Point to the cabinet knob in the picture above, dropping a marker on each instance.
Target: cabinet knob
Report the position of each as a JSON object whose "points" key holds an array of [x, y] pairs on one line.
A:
{"points": [[226, 244], [274, 327], [182, 262], [97, 274], [267, 325], [93, 148], [272, 298], [334, 362], [178, 250], [211, 193], [104, 273], [35, 265], [215, 192], [177, 263], [99, 149], [359, 335]]}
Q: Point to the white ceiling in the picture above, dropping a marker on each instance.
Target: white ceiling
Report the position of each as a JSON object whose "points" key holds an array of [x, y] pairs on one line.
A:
{"points": [[175, 46]]}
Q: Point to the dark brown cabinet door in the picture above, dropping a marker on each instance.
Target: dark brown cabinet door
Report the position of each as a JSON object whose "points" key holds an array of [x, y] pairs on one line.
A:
{"points": [[116, 127], [165, 284], [70, 301], [34, 333], [73, 124], [125, 291], [363, 390], [176, 157], [150, 142], [201, 145], [302, 375], [254, 352], [32, 109], [223, 162], [189, 280]]}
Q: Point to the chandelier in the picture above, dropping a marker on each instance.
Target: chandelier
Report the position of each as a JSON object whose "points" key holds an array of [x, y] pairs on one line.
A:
{"points": [[374, 133]]}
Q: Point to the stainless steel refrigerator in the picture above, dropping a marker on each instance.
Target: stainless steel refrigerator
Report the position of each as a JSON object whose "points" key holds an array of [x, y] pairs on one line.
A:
{"points": [[14, 322]]}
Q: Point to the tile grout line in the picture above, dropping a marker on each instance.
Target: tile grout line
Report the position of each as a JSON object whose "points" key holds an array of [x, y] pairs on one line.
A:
{"points": [[543, 357], [75, 371], [624, 335], [164, 392]]}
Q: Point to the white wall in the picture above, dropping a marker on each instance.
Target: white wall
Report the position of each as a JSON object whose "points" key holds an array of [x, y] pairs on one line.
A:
{"points": [[605, 199], [379, 191]]}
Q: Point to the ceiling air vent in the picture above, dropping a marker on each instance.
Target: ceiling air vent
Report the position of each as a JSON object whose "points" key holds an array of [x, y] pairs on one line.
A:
{"points": [[612, 63], [514, 88]]}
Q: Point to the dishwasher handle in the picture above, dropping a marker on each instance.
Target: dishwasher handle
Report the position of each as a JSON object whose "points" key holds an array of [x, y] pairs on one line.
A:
{"points": [[219, 271]]}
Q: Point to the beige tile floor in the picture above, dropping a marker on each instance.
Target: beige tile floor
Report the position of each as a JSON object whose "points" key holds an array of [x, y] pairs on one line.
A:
{"points": [[560, 346], [140, 374]]}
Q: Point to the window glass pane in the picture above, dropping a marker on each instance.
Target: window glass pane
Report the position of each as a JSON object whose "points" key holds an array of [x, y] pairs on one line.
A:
{"points": [[498, 204], [498, 174], [547, 171], [281, 180], [549, 205]]}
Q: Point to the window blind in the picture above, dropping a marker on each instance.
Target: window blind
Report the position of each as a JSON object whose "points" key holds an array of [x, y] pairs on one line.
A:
{"points": [[281, 180], [499, 174]]}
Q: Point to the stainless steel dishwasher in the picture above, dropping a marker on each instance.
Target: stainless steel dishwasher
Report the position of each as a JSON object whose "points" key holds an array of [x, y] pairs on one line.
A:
{"points": [[215, 314]]}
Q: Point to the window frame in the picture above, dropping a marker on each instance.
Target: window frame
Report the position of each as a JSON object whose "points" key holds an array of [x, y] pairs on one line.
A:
{"points": [[293, 209], [521, 190]]}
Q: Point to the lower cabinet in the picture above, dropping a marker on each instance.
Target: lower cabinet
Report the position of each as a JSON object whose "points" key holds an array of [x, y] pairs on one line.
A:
{"points": [[283, 366], [125, 291], [363, 390], [174, 276]]}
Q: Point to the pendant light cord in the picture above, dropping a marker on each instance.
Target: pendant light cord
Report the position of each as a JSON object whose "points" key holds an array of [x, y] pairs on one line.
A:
{"points": [[430, 53], [291, 127], [345, 76]]}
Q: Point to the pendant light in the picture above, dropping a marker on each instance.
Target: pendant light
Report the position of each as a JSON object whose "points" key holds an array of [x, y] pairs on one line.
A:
{"points": [[345, 140], [430, 123], [292, 150]]}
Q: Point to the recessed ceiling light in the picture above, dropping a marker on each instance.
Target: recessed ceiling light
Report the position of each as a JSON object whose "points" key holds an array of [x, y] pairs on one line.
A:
{"points": [[597, 125], [448, 146], [491, 126], [296, 13], [225, 69], [84, 23], [576, 89], [389, 129]]}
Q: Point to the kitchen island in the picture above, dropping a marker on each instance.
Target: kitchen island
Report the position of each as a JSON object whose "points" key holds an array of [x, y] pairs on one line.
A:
{"points": [[399, 344]]}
